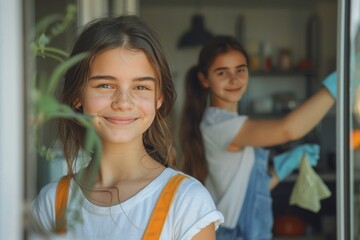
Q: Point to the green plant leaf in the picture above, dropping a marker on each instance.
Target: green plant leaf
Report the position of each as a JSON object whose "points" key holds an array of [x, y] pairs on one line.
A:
{"points": [[61, 69], [44, 105], [69, 17], [44, 23], [56, 51], [42, 42]]}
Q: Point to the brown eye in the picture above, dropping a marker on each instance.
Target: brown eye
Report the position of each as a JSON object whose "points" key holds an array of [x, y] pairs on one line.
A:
{"points": [[142, 88], [104, 86], [242, 70], [221, 73]]}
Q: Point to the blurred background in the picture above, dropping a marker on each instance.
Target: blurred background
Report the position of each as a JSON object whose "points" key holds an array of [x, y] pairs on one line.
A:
{"points": [[292, 45]]}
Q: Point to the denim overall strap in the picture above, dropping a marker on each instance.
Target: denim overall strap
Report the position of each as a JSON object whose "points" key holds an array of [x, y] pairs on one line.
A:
{"points": [[161, 209], [62, 193], [256, 217]]}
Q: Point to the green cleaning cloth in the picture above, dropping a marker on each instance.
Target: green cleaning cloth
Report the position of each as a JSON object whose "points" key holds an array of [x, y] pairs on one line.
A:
{"points": [[309, 189]]}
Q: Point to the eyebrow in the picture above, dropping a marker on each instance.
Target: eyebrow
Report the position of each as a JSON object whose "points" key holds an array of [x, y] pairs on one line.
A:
{"points": [[109, 77], [224, 68], [102, 77]]}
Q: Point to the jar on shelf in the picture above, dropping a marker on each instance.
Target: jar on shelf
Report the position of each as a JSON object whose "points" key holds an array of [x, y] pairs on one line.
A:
{"points": [[285, 61], [254, 55]]}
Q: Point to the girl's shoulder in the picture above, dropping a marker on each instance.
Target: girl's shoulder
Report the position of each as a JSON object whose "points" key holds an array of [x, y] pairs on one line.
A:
{"points": [[215, 115], [43, 208], [193, 208], [48, 192], [190, 188], [189, 182]]}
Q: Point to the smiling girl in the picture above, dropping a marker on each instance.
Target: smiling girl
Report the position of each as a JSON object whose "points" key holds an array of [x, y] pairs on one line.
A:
{"points": [[125, 86], [219, 145]]}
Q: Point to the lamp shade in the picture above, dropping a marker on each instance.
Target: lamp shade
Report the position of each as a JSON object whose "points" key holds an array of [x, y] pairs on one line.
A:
{"points": [[197, 35]]}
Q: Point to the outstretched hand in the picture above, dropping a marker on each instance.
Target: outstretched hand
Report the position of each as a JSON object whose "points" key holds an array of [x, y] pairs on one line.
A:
{"points": [[330, 83], [287, 162]]}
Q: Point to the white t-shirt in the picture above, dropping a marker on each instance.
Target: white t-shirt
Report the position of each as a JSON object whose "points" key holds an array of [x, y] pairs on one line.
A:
{"points": [[228, 172], [191, 210]]}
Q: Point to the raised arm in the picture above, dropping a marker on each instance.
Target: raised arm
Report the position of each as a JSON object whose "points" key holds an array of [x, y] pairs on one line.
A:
{"points": [[293, 126]]}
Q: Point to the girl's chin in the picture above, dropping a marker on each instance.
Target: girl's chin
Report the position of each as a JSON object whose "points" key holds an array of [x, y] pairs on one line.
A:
{"points": [[113, 140]]}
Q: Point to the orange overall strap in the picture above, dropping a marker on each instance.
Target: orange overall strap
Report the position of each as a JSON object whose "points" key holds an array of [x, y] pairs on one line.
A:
{"points": [[161, 209], [62, 193]]}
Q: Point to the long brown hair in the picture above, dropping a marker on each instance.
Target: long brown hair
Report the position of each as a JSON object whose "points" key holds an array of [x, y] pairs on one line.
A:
{"points": [[98, 36], [194, 161]]}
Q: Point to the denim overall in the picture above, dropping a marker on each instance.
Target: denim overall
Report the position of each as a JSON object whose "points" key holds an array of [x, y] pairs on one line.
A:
{"points": [[256, 217]]}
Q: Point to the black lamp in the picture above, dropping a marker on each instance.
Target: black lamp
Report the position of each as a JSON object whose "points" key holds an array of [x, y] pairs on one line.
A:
{"points": [[197, 35]]}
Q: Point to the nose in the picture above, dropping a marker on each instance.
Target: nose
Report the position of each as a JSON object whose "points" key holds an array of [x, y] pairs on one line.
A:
{"points": [[122, 99], [233, 78]]}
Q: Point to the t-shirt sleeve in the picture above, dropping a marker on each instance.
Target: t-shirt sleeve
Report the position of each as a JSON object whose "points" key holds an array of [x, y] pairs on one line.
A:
{"points": [[194, 209], [43, 209], [222, 133]]}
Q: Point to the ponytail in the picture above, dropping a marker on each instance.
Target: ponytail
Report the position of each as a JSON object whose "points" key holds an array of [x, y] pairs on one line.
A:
{"points": [[194, 162]]}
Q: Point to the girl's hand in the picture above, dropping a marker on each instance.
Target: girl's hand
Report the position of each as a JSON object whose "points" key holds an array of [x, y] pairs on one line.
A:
{"points": [[288, 161]]}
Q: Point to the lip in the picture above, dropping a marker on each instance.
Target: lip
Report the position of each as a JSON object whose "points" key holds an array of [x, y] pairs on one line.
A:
{"points": [[120, 121], [234, 89]]}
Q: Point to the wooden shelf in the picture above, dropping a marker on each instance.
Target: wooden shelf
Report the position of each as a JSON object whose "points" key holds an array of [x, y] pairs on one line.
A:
{"points": [[315, 237], [326, 177], [281, 73], [236, 3]]}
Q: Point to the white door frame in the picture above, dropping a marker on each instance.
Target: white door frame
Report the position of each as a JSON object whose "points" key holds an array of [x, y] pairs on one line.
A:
{"points": [[11, 120], [88, 10]]}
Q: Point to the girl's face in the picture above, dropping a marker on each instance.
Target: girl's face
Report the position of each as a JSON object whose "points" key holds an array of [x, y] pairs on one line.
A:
{"points": [[227, 79], [120, 94]]}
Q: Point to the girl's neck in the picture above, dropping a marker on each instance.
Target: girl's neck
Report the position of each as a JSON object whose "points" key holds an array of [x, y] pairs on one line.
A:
{"points": [[231, 107], [124, 163], [108, 185]]}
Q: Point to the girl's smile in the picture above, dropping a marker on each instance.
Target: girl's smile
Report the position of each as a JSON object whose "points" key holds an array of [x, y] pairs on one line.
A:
{"points": [[233, 89], [121, 121]]}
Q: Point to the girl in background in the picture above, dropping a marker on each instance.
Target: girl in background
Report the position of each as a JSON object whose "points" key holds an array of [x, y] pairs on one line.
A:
{"points": [[124, 84], [226, 159]]}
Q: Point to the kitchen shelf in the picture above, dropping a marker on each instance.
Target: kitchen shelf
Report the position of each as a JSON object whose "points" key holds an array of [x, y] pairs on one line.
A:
{"points": [[275, 72], [326, 177], [313, 237], [236, 3]]}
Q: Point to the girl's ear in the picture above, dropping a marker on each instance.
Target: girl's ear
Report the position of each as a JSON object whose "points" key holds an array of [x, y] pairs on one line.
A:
{"points": [[77, 105], [159, 102], [203, 80]]}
